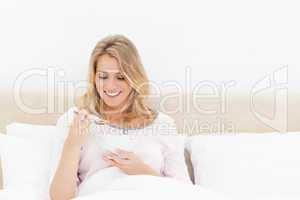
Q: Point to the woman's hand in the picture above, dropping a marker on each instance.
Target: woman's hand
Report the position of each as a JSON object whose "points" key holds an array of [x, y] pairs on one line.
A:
{"points": [[79, 129], [128, 162]]}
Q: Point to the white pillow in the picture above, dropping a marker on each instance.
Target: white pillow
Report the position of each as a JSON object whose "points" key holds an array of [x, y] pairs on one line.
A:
{"points": [[24, 162], [247, 164], [36, 132], [39, 147], [27, 192]]}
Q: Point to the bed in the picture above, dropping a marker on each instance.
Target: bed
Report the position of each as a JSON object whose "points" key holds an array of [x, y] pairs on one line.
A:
{"points": [[239, 113]]}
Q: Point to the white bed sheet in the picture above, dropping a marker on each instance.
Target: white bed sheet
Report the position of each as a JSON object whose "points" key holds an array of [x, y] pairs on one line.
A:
{"points": [[136, 188]]}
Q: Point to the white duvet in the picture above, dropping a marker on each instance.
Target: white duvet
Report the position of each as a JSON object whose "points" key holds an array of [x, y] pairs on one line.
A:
{"points": [[99, 186], [150, 188], [130, 187], [141, 187]]}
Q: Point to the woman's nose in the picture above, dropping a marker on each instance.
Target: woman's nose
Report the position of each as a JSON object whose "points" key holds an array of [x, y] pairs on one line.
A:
{"points": [[110, 84]]}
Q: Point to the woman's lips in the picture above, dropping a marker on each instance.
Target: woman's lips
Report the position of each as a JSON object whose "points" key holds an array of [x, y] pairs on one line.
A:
{"points": [[112, 94]]}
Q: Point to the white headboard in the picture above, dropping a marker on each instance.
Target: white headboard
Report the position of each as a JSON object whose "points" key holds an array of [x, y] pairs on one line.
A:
{"points": [[193, 115]]}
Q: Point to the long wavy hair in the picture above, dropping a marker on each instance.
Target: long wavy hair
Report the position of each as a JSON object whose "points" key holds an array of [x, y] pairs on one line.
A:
{"points": [[126, 54]]}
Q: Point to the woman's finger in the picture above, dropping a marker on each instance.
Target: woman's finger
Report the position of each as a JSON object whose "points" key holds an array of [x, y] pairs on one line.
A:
{"points": [[124, 154], [110, 153], [111, 161], [122, 151], [83, 112], [107, 156], [120, 161]]}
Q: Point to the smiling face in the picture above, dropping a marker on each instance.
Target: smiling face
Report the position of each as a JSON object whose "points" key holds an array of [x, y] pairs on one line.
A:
{"points": [[111, 84]]}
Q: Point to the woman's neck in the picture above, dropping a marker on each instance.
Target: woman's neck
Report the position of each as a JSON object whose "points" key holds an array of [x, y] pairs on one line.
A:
{"points": [[118, 120], [115, 117]]}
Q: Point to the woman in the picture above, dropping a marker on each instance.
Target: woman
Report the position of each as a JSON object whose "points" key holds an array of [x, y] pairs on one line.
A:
{"points": [[118, 86]]}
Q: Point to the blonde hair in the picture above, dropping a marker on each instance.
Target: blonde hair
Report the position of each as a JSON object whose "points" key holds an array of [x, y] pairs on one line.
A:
{"points": [[126, 54]]}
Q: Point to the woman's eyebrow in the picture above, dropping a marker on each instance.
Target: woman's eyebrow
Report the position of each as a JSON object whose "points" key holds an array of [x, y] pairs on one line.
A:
{"points": [[107, 72]]}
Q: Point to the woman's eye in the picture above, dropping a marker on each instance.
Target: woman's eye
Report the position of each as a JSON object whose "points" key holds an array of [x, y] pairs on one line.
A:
{"points": [[121, 78], [102, 77]]}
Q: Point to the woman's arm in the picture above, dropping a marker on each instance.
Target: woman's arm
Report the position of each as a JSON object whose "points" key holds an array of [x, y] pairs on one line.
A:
{"points": [[64, 183]]}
